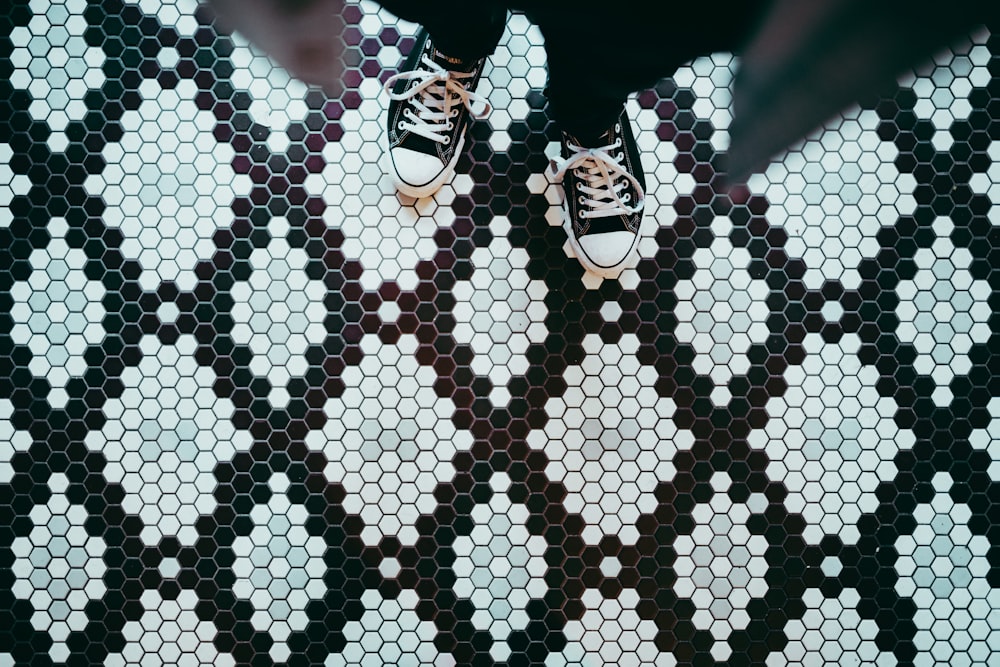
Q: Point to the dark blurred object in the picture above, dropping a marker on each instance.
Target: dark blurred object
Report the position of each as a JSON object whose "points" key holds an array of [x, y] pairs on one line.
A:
{"points": [[813, 58], [303, 36], [294, 5]]}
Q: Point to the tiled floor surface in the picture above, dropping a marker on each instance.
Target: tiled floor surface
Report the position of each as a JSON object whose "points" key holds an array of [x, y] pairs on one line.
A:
{"points": [[255, 408]]}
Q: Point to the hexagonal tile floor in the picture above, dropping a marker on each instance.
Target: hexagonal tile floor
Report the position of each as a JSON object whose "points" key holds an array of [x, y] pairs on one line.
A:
{"points": [[257, 408]]}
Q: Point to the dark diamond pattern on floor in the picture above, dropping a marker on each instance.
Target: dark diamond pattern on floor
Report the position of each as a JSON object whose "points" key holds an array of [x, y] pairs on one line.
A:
{"points": [[257, 408]]}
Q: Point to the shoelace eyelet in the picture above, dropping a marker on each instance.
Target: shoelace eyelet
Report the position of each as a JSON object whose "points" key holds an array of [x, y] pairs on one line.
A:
{"points": [[447, 140], [581, 200]]}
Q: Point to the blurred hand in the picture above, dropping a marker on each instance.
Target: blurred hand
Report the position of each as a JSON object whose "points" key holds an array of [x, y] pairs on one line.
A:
{"points": [[303, 36]]}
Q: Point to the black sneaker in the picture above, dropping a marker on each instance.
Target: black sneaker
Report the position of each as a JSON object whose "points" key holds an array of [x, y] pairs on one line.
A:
{"points": [[430, 105], [604, 197]]}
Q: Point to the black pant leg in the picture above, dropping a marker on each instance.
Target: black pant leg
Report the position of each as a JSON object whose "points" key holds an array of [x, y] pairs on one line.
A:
{"points": [[600, 52], [467, 30]]}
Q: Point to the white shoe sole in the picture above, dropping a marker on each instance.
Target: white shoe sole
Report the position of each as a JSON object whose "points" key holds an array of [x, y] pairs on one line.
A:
{"points": [[422, 191], [610, 272]]}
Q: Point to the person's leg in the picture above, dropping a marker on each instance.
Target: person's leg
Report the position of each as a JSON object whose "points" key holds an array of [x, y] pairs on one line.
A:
{"points": [[598, 54], [432, 98], [463, 30]]}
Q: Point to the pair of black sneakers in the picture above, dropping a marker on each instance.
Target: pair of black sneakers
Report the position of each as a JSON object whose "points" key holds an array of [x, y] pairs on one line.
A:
{"points": [[431, 103]]}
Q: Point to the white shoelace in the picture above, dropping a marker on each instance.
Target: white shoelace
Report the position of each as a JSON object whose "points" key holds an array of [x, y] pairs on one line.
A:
{"points": [[604, 178], [437, 94]]}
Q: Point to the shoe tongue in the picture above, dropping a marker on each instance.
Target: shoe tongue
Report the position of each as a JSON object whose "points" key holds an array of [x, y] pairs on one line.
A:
{"points": [[454, 64], [605, 139]]}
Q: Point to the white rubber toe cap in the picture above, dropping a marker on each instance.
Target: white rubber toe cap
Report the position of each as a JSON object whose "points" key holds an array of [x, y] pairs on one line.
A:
{"points": [[607, 254], [417, 174]]}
